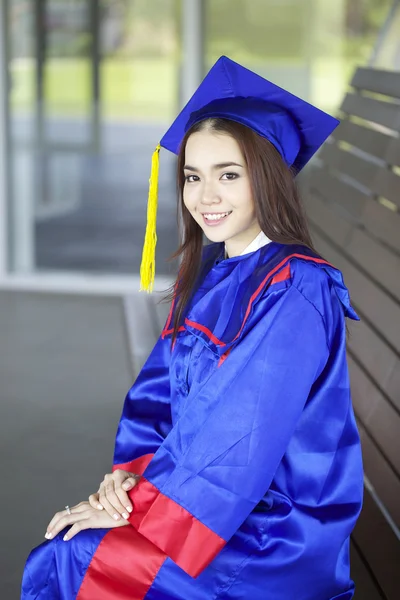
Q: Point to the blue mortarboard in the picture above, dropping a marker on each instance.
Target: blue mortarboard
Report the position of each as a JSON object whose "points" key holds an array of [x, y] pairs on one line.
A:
{"points": [[296, 128]]}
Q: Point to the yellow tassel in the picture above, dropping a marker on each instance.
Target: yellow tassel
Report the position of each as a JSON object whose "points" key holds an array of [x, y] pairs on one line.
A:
{"points": [[148, 265]]}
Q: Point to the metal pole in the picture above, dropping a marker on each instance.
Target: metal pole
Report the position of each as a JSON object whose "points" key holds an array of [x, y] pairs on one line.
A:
{"points": [[383, 32], [192, 47], [28, 164], [95, 58], [4, 143], [40, 52]]}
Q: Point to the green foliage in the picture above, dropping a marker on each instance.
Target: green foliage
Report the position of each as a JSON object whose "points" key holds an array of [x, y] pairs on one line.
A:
{"points": [[129, 89], [139, 74], [255, 29]]}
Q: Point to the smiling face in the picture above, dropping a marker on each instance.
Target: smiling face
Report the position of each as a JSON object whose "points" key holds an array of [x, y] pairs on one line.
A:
{"points": [[217, 190]]}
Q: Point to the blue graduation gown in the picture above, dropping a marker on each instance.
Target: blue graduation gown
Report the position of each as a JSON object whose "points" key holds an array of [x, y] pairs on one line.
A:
{"points": [[245, 437]]}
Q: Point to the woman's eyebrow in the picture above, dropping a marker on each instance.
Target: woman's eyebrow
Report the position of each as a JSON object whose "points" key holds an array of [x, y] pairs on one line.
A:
{"points": [[227, 164], [218, 166]]}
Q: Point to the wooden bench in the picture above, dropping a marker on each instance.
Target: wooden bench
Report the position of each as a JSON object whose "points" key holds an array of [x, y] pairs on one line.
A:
{"points": [[352, 197]]}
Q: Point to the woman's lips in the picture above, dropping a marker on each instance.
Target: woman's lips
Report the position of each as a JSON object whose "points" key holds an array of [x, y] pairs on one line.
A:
{"points": [[215, 222]]}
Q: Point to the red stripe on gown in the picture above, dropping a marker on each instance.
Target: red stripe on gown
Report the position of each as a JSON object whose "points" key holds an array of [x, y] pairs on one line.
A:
{"points": [[185, 539], [168, 525], [263, 283], [283, 275], [205, 330], [125, 563], [123, 567]]}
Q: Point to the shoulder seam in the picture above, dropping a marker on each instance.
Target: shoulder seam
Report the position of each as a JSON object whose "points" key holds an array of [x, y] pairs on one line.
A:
{"points": [[320, 314]]}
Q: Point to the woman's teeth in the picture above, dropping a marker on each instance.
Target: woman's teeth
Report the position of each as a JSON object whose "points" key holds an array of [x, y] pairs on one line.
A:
{"points": [[216, 217]]}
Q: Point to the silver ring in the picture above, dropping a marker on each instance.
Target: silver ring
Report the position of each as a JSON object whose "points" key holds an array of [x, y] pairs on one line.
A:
{"points": [[67, 508]]}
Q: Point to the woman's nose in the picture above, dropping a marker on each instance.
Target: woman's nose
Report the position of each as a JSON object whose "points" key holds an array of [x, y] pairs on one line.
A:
{"points": [[210, 194]]}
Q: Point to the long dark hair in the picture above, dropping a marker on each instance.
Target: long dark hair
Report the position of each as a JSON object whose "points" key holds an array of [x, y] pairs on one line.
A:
{"points": [[278, 206]]}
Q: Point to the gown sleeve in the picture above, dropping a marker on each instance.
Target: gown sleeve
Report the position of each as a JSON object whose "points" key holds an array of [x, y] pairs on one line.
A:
{"points": [[146, 416], [220, 457]]}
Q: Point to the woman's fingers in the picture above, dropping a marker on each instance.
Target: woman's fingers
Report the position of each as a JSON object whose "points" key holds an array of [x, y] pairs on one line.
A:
{"points": [[54, 520], [76, 528], [121, 489], [108, 507], [62, 513], [130, 483], [114, 500], [95, 520], [112, 495], [125, 482], [94, 501], [63, 521], [82, 516]]}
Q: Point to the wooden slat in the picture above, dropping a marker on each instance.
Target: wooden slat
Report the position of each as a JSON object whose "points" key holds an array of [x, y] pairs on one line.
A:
{"points": [[379, 220], [366, 587], [383, 113], [360, 283], [363, 392], [384, 223], [379, 546], [376, 357], [375, 305], [333, 189], [393, 384], [393, 154], [319, 212], [376, 415], [370, 264], [377, 80], [354, 166], [384, 480], [377, 260], [370, 141], [387, 184]]}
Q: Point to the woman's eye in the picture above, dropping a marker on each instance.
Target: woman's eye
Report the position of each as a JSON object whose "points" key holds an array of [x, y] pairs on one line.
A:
{"points": [[230, 176], [189, 178]]}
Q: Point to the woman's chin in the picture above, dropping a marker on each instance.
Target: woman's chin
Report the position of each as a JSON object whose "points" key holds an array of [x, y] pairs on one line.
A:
{"points": [[215, 236], [218, 233]]}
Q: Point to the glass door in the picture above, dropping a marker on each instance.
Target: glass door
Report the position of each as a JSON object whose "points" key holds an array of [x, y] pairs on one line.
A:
{"points": [[94, 84], [54, 117]]}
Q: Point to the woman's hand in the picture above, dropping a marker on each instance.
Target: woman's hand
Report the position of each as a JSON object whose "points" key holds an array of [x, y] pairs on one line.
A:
{"points": [[83, 516], [112, 494]]}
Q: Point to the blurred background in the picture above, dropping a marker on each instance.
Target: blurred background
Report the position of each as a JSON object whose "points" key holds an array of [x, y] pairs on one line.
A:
{"points": [[87, 88]]}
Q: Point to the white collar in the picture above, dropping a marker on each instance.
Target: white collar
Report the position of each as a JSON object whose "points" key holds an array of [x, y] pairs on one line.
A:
{"points": [[259, 241]]}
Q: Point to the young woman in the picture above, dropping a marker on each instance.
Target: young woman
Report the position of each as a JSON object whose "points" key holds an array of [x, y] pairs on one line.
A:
{"points": [[238, 469]]}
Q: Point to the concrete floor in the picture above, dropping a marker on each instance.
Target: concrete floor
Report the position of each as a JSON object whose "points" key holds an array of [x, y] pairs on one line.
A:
{"points": [[66, 363]]}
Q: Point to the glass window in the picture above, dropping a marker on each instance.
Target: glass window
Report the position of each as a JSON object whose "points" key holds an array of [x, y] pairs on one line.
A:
{"points": [[93, 86]]}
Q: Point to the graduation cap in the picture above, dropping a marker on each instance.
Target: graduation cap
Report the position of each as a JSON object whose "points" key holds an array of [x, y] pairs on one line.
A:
{"points": [[294, 127]]}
